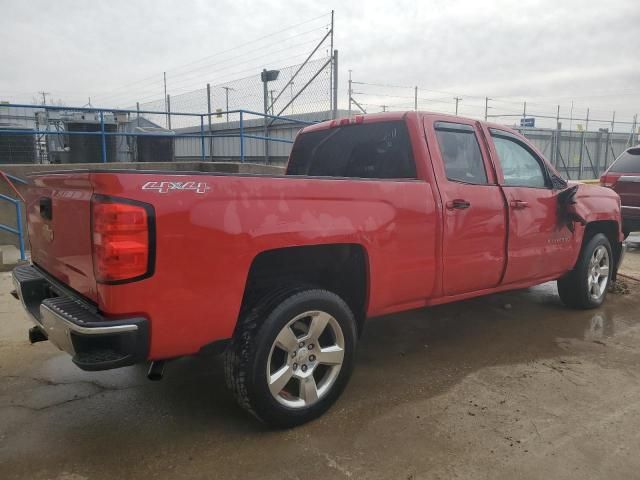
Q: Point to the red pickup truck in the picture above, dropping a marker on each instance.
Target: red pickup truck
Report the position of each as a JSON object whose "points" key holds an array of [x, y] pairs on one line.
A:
{"points": [[375, 214]]}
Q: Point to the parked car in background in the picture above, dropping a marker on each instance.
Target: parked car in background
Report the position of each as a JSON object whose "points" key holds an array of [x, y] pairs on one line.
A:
{"points": [[376, 214], [623, 176]]}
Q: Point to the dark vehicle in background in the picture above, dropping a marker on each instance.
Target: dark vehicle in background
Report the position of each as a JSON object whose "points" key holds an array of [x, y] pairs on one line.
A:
{"points": [[623, 176]]}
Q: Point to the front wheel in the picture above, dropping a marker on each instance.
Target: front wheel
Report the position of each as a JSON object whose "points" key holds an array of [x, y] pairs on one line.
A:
{"points": [[292, 356], [586, 285]]}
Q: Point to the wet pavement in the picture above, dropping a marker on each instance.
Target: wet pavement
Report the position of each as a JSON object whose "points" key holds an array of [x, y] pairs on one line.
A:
{"points": [[508, 386]]}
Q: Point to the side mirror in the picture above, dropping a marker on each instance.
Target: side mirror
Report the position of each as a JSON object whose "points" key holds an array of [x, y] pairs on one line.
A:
{"points": [[558, 183]]}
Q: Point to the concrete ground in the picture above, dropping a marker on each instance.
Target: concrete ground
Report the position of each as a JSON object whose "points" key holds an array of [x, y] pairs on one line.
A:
{"points": [[509, 386]]}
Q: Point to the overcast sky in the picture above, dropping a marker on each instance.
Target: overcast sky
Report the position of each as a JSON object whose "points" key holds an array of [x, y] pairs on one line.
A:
{"points": [[546, 52]]}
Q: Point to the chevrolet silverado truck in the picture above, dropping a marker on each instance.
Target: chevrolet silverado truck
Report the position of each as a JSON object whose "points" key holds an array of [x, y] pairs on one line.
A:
{"points": [[375, 214]]}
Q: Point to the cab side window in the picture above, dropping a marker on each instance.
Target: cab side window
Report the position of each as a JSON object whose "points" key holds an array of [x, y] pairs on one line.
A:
{"points": [[519, 166], [461, 153]]}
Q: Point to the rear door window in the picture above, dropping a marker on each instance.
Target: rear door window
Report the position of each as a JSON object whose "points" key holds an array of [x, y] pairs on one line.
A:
{"points": [[369, 150], [461, 153]]}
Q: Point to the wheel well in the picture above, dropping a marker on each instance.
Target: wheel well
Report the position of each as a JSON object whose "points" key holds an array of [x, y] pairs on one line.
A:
{"points": [[339, 268], [611, 230]]}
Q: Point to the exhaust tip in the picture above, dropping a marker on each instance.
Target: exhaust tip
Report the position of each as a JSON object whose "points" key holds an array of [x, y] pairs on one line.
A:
{"points": [[156, 370]]}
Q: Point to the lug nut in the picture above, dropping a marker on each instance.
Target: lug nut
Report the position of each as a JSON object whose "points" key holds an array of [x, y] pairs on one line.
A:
{"points": [[293, 354], [312, 358], [304, 368], [301, 344], [310, 347], [295, 366]]}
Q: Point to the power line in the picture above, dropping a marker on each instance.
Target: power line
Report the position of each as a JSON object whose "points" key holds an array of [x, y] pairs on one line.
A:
{"points": [[183, 83], [222, 52]]}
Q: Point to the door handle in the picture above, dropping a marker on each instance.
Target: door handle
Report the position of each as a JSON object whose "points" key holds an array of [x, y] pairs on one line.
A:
{"points": [[458, 204], [519, 204]]}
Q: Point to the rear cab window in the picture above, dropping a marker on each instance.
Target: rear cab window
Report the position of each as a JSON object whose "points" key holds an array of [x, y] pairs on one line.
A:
{"points": [[627, 162], [379, 150]]}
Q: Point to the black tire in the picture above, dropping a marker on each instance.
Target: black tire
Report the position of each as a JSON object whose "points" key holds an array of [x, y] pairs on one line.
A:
{"points": [[574, 287], [246, 359]]}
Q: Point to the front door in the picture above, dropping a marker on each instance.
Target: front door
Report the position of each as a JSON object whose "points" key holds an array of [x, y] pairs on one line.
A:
{"points": [[539, 245], [474, 232]]}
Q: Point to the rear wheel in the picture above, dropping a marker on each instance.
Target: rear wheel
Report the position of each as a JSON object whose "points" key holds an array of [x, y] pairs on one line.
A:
{"points": [[292, 356], [586, 285]]}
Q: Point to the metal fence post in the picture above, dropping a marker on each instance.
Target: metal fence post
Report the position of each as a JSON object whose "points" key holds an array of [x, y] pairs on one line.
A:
{"points": [[209, 120], [103, 137], [606, 151], [350, 91], [581, 154], [202, 137], [241, 138], [20, 232], [169, 111], [335, 84]]}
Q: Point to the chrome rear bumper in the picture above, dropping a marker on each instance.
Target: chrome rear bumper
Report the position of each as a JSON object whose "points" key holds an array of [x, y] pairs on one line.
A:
{"points": [[94, 342]]}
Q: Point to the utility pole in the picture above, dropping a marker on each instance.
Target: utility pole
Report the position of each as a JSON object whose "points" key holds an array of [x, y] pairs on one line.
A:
{"points": [[524, 110], [384, 108], [44, 97], [415, 98], [486, 108], [267, 76], [457, 99]]}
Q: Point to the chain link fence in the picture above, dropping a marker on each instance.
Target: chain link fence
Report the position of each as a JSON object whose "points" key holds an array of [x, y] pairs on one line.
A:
{"points": [[302, 88], [581, 143]]}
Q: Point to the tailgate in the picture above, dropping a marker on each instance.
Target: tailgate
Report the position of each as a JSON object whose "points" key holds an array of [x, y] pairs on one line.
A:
{"points": [[59, 224]]}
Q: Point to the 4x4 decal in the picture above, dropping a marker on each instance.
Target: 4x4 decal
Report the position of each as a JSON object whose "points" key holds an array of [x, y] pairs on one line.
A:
{"points": [[166, 187]]}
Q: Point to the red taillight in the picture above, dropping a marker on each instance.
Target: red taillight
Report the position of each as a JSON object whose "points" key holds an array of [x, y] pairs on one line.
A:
{"points": [[122, 239]]}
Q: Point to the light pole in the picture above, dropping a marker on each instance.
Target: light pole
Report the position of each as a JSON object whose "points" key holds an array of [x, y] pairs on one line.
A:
{"points": [[267, 76]]}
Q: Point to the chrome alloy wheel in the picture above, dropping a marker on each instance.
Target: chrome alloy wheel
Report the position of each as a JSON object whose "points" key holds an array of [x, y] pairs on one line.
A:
{"points": [[598, 272], [305, 359]]}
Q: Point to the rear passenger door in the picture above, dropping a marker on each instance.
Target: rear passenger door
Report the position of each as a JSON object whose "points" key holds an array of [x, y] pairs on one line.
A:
{"points": [[474, 234]]}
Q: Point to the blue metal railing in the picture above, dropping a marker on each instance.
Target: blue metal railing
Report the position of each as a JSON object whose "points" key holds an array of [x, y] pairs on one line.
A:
{"points": [[104, 134], [17, 203]]}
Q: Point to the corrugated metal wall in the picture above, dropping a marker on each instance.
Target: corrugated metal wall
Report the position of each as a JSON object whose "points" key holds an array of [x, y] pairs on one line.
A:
{"points": [[230, 146]]}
